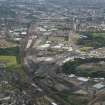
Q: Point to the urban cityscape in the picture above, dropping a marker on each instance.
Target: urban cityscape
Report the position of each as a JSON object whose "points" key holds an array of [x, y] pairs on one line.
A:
{"points": [[52, 52]]}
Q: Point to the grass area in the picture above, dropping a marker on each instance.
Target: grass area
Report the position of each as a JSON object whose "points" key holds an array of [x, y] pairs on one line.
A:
{"points": [[11, 51], [11, 62], [92, 67], [8, 60], [11, 57], [85, 49], [75, 99], [95, 40], [12, 65], [98, 35]]}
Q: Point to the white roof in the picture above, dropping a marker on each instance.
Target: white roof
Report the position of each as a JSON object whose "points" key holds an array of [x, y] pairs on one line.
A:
{"points": [[23, 33], [10, 31], [72, 75], [99, 86], [17, 39], [57, 46], [47, 59], [45, 46], [83, 79], [48, 42], [54, 29], [68, 59], [53, 103], [41, 29]]}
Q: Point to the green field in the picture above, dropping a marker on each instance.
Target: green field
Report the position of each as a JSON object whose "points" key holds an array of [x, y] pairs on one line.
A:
{"points": [[8, 60], [13, 65], [11, 57]]}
